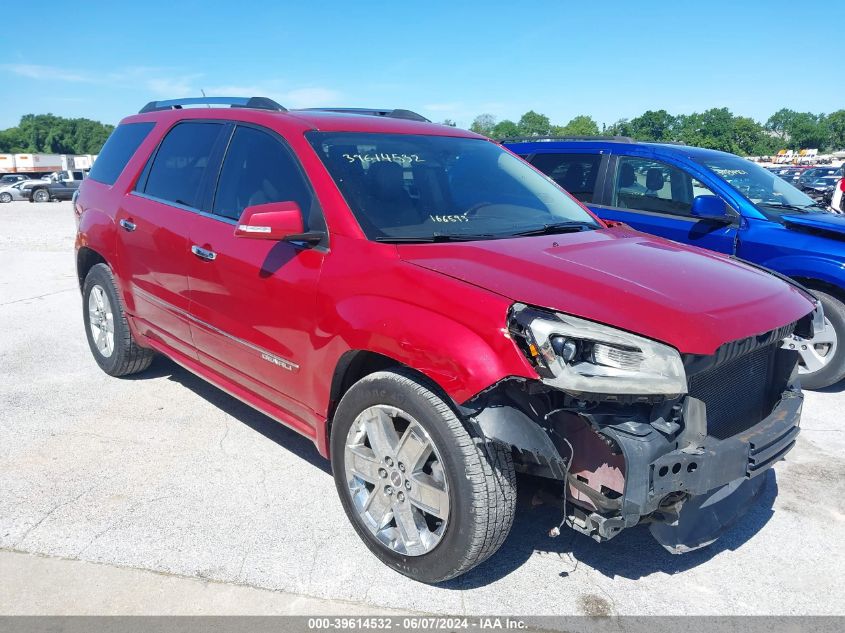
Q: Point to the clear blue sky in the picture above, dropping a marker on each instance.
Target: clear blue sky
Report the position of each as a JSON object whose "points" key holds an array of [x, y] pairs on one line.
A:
{"points": [[609, 59]]}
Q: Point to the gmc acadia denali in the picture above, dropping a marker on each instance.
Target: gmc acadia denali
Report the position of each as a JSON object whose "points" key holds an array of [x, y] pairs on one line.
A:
{"points": [[437, 315]]}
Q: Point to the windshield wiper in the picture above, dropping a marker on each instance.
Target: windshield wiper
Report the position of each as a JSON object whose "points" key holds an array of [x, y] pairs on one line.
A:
{"points": [[437, 237], [558, 227], [792, 207]]}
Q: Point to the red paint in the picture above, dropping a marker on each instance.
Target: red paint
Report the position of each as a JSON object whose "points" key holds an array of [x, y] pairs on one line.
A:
{"points": [[271, 221], [693, 299], [280, 317]]}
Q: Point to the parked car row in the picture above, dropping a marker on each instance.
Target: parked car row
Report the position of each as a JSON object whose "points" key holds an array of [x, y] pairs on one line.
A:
{"points": [[436, 315], [820, 183], [56, 186]]}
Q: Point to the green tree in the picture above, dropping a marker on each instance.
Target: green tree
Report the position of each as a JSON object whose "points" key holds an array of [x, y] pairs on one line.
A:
{"points": [[505, 129], [11, 141], [622, 127], [836, 130], [51, 134], [808, 130], [581, 125], [534, 124], [780, 122], [654, 126], [800, 130], [483, 124]]}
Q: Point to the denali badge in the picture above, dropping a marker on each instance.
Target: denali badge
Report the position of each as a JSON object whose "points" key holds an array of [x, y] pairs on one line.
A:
{"points": [[281, 362]]}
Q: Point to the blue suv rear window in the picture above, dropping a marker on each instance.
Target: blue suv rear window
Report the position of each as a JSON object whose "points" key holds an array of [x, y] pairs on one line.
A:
{"points": [[117, 151]]}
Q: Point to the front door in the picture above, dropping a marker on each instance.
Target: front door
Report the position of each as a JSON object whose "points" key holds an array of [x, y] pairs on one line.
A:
{"points": [[656, 197], [253, 300]]}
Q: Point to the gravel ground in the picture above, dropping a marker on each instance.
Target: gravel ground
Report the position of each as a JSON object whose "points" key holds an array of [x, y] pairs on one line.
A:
{"points": [[164, 472]]}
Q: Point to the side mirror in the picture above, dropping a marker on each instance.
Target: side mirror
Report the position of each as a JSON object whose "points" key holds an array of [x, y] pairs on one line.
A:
{"points": [[271, 221], [710, 208]]}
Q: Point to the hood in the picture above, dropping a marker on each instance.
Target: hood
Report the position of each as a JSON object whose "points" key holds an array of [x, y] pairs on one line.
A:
{"points": [[691, 299], [825, 222]]}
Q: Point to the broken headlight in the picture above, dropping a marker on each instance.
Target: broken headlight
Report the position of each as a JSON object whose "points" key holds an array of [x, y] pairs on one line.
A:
{"points": [[577, 355]]}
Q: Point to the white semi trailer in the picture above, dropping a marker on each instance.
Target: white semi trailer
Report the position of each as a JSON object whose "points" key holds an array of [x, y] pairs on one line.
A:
{"points": [[40, 164]]}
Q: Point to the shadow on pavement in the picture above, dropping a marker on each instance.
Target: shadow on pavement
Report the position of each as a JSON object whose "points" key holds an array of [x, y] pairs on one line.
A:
{"points": [[838, 387], [633, 554], [271, 429]]}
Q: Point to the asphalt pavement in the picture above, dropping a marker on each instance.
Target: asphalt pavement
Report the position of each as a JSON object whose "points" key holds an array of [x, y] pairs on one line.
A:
{"points": [[163, 472]]}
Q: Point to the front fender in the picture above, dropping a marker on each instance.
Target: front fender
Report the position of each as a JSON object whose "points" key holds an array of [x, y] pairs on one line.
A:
{"points": [[819, 267], [462, 360]]}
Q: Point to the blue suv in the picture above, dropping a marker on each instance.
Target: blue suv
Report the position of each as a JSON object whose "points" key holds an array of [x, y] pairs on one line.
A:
{"points": [[717, 201]]}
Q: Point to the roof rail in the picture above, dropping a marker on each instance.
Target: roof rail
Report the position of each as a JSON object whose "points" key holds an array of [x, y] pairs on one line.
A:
{"points": [[576, 137], [258, 103], [663, 142], [393, 114]]}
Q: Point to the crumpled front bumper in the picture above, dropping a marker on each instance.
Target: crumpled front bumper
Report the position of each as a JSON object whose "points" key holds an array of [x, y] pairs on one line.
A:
{"points": [[687, 485], [692, 495]]}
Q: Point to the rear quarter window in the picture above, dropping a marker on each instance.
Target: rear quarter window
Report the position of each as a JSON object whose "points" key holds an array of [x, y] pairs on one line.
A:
{"points": [[117, 151]]}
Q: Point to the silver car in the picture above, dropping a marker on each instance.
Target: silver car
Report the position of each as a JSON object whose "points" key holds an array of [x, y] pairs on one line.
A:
{"points": [[13, 192]]}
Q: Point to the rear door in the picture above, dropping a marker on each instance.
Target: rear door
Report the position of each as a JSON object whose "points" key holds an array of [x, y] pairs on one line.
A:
{"points": [[655, 196], [155, 221], [253, 300]]}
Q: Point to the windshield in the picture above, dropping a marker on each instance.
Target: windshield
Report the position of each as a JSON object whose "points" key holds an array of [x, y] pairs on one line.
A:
{"points": [[770, 193], [404, 187]]}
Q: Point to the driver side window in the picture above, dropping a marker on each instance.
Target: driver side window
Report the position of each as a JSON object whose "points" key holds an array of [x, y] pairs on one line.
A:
{"points": [[648, 185], [258, 169]]}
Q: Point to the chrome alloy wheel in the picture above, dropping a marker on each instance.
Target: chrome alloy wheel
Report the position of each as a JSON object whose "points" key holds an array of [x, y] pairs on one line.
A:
{"points": [[101, 320], [815, 353], [396, 480]]}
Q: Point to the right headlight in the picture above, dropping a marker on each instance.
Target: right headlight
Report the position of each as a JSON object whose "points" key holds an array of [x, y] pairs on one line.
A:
{"points": [[577, 355]]}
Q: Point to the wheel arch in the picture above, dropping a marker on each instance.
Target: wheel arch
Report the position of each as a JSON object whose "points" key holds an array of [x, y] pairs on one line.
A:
{"points": [[356, 364], [811, 283], [86, 259]]}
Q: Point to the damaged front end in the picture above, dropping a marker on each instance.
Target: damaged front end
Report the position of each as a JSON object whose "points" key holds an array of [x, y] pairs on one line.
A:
{"points": [[638, 433]]}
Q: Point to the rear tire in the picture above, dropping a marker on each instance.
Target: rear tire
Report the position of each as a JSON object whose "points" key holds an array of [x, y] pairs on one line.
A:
{"points": [[834, 370], [109, 337], [477, 476]]}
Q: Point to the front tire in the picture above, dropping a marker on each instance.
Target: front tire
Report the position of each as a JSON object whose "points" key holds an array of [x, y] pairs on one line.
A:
{"points": [[427, 497], [823, 362], [5, 197], [41, 195], [109, 337]]}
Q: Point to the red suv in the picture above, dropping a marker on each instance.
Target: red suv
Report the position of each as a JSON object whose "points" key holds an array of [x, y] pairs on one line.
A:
{"points": [[437, 315]]}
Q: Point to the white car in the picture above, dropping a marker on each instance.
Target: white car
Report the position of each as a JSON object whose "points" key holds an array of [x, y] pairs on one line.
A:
{"points": [[14, 192]]}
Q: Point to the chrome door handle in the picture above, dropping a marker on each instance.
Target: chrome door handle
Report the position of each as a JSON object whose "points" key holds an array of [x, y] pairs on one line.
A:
{"points": [[129, 226], [203, 253]]}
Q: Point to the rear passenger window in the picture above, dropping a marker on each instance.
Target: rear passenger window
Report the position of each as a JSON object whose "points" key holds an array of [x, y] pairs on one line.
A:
{"points": [[178, 171], [117, 151], [650, 185], [577, 173], [259, 169]]}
